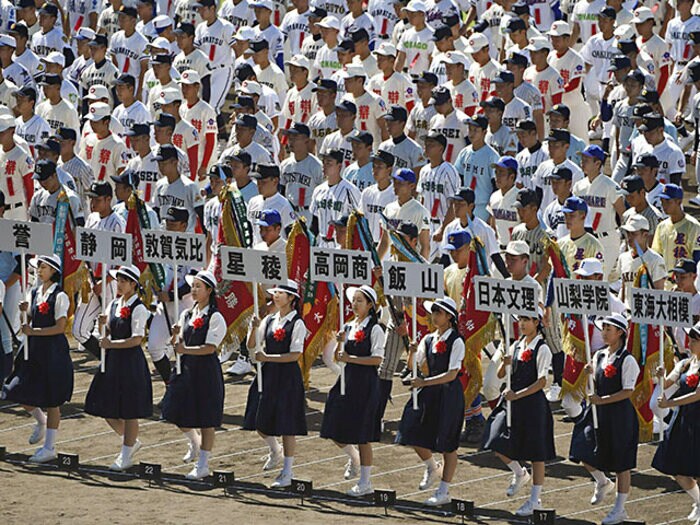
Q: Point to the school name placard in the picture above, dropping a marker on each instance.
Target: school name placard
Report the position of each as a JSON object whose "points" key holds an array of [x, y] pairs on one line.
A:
{"points": [[260, 266], [406, 279], [30, 237], [505, 296], [341, 266], [103, 246], [166, 247], [575, 296], [660, 307]]}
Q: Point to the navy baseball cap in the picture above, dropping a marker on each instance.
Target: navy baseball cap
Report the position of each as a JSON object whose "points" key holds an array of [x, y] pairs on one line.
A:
{"points": [[259, 45], [50, 144], [631, 184], [398, 113], [456, 240], [362, 137], [635, 75], [518, 59], [619, 62], [43, 169], [451, 19], [128, 11], [244, 102], [384, 156], [99, 189], [436, 136], [440, 95], [405, 175], [269, 217], [520, 8], [265, 171], [525, 197], [165, 120], [49, 9], [128, 178], [176, 214], [651, 122], [480, 121], [241, 156], [358, 34], [138, 130], [560, 109], [507, 162], [627, 46], [345, 46], [464, 194], [671, 191], [685, 266], [441, 32], [298, 128], [325, 84], [515, 24], [558, 135], [247, 121], [608, 12], [594, 151], [573, 204], [166, 152], [504, 77], [494, 102], [99, 40], [647, 160], [561, 173], [161, 59], [408, 229], [244, 71], [651, 96], [222, 171], [428, 77], [334, 154], [185, 28], [346, 105], [526, 125]]}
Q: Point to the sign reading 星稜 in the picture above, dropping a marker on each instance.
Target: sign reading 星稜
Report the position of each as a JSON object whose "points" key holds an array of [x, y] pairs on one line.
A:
{"points": [[659, 307], [30, 237], [341, 266], [575, 296], [103, 246], [407, 279], [506, 296], [166, 247], [260, 266]]}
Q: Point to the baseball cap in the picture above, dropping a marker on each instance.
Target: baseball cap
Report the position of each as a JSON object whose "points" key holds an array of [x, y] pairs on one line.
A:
{"points": [[539, 43], [480, 121], [244, 102], [624, 32], [440, 95], [589, 266], [190, 77], [476, 42], [558, 135], [561, 173], [128, 11], [43, 169], [694, 70], [138, 130], [269, 217], [416, 6], [67, 134], [560, 109], [162, 59], [160, 22], [426, 76], [223, 171], [517, 59], [507, 162], [245, 34], [518, 248], [318, 12], [329, 22], [384, 156], [358, 34], [456, 240], [573, 204], [627, 46], [20, 28], [259, 44], [49, 9], [7, 41], [166, 152], [325, 84], [642, 14], [299, 61], [299, 128], [177, 214], [50, 144], [441, 32], [334, 154], [648, 160], [525, 197], [456, 58], [651, 96], [398, 113], [405, 175], [164, 120], [631, 184], [97, 92], [504, 77], [594, 151], [128, 178], [265, 171], [671, 191], [386, 49], [408, 229], [515, 24], [345, 46], [51, 80], [341, 221], [493, 102], [635, 75], [185, 28], [250, 87], [526, 125], [560, 28], [169, 95], [239, 155], [355, 70], [619, 62], [651, 122], [247, 121], [451, 19], [159, 43], [99, 189], [685, 266], [636, 223], [99, 111], [7, 122], [465, 194], [436, 136], [520, 8], [99, 40], [346, 105], [640, 111], [266, 4], [362, 137]]}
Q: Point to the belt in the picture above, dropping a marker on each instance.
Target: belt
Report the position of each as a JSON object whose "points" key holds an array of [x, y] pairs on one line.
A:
{"points": [[602, 234], [383, 37], [684, 63], [435, 221], [15, 205]]}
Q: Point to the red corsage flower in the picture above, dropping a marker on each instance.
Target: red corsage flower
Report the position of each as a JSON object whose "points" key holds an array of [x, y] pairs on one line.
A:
{"points": [[526, 356], [441, 347], [124, 312], [198, 323], [610, 371], [359, 336], [692, 380], [43, 308], [279, 334]]}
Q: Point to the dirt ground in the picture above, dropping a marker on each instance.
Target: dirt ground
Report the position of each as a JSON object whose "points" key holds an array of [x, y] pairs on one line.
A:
{"points": [[42, 494]]}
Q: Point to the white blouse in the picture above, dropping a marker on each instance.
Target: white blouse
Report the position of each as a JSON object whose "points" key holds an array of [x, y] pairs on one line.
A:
{"points": [[693, 368], [217, 324], [60, 307], [139, 315], [298, 331], [457, 355], [377, 335], [544, 355], [630, 368]]}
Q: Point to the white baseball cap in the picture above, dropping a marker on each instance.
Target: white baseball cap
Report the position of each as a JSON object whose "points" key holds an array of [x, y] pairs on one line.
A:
{"points": [[162, 21], [455, 57], [590, 266], [245, 33], [625, 32], [55, 58], [169, 95], [267, 4], [386, 49], [416, 6], [636, 223], [476, 42], [354, 70], [85, 33], [7, 122], [160, 43], [97, 91], [250, 87], [642, 14], [299, 61], [560, 28], [8, 41], [189, 76], [329, 22], [98, 111], [539, 43], [518, 248]]}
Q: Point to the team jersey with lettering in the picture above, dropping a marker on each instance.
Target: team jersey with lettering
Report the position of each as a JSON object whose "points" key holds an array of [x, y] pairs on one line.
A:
{"points": [[61, 115], [237, 14], [600, 195], [299, 178], [104, 74], [79, 11], [43, 206], [298, 105], [44, 43], [407, 152], [502, 208], [585, 14], [182, 193], [134, 114], [576, 250], [185, 11], [322, 125], [548, 82], [363, 21], [678, 240], [215, 42], [196, 61], [397, 90], [419, 120], [294, 27], [258, 204], [310, 47], [203, 118], [16, 168], [106, 157], [30, 62], [329, 203], [529, 160], [503, 140], [671, 157], [128, 51], [373, 202], [454, 126], [275, 39], [326, 62], [418, 46], [370, 109], [464, 96], [481, 77], [384, 17], [628, 265], [475, 168], [437, 184], [678, 38], [658, 50], [598, 52], [337, 140], [540, 178], [186, 138], [570, 66], [553, 219], [34, 131], [515, 111], [108, 22], [493, 16], [146, 168]]}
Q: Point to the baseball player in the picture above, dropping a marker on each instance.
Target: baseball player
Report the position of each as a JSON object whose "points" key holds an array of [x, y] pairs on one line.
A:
{"points": [[407, 152], [515, 109], [105, 153], [531, 156], [130, 111], [419, 119], [360, 171], [127, 48], [654, 46], [393, 87], [192, 59], [465, 97], [544, 76], [299, 103], [502, 204], [671, 158], [295, 25], [370, 107], [99, 71], [560, 118], [50, 37], [323, 122], [499, 136], [558, 142], [553, 216], [55, 110], [185, 136], [16, 167], [245, 128], [200, 115], [30, 126], [678, 236], [301, 171], [416, 44], [635, 195], [143, 164], [376, 197], [449, 121], [42, 207], [345, 112], [263, 10], [267, 177], [517, 63], [70, 163]]}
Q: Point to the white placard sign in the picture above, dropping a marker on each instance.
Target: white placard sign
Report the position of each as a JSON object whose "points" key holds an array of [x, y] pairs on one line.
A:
{"points": [[179, 248], [103, 246], [407, 279], [259, 266], [341, 266], [576, 296], [30, 237], [659, 307], [506, 296]]}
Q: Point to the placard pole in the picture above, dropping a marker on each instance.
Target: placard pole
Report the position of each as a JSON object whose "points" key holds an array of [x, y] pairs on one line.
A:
{"points": [[587, 342], [178, 366], [258, 364], [341, 303], [662, 364], [23, 287], [103, 352], [506, 329], [414, 333]]}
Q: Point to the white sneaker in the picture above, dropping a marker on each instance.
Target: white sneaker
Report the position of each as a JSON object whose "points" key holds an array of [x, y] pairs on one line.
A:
{"points": [[517, 483], [352, 470], [438, 499], [121, 464], [600, 491], [695, 201], [282, 481], [43, 455], [226, 354], [241, 367], [430, 477], [273, 459], [360, 490], [38, 434], [197, 473], [694, 513], [192, 453], [615, 516], [527, 508], [136, 448], [554, 393]]}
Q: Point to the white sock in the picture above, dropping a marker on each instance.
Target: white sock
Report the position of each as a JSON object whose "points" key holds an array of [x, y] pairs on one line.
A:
{"points": [[126, 452], [274, 445], [430, 463], [193, 437], [620, 501], [600, 477], [39, 415], [517, 468], [203, 459], [50, 439], [365, 473], [444, 487], [288, 463], [695, 494], [535, 493], [352, 453]]}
